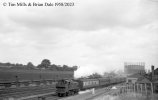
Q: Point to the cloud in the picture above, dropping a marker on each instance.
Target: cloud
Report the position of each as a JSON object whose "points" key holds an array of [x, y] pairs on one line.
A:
{"points": [[98, 35], [88, 15]]}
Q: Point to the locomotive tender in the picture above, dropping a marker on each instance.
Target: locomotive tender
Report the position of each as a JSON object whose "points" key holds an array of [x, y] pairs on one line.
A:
{"points": [[69, 87]]}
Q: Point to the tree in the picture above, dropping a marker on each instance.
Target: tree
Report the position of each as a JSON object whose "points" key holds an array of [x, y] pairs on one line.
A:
{"points": [[112, 73], [120, 73], [39, 66], [44, 64], [75, 68], [53, 67], [65, 67], [8, 64], [95, 75], [30, 65]]}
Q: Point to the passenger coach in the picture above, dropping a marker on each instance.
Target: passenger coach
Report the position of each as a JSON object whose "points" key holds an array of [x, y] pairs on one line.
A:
{"points": [[88, 83]]}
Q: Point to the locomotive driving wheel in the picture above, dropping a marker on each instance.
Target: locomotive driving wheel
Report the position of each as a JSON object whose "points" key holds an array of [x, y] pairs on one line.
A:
{"points": [[72, 93], [67, 93]]}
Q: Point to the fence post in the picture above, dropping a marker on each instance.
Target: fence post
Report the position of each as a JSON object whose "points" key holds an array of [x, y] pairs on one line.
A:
{"points": [[142, 89], [93, 91], [131, 87], [146, 88], [124, 88], [151, 88], [127, 87], [134, 88], [137, 87]]}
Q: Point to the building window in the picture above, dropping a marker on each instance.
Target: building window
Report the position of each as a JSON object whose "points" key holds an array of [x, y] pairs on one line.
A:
{"points": [[129, 81]]}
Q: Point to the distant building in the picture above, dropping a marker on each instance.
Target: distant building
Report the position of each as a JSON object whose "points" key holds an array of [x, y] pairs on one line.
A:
{"points": [[150, 79], [133, 78], [133, 68], [154, 78]]}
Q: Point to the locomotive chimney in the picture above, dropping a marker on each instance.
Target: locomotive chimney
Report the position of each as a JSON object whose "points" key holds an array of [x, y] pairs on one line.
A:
{"points": [[152, 72]]}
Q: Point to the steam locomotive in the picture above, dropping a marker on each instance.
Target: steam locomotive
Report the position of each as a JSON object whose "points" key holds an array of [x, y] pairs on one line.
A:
{"points": [[70, 87]]}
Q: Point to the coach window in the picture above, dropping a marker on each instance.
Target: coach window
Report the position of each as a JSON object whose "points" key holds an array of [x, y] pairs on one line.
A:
{"points": [[93, 82], [84, 84], [96, 82]]}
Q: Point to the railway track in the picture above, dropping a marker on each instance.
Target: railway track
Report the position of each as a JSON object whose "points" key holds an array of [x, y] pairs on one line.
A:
{"points": [[105, 92], [92, 96], [25, 92]]}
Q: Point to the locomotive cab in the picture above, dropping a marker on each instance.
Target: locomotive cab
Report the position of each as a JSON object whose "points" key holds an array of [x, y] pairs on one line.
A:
{"points": [[66, 87]]}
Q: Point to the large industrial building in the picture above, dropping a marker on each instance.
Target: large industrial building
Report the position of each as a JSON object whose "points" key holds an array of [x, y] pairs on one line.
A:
{"points": [[134, 67]]}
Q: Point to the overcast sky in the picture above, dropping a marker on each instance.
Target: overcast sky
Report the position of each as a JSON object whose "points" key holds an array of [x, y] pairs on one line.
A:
{"points": [[97, 35]]}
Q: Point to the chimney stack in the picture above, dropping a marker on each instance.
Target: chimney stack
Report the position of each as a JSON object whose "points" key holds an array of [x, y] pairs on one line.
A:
{"points": [[152, 71]]}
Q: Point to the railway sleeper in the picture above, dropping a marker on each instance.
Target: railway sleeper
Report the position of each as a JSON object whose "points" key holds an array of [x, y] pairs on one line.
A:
{"points": [[70, 92], [42, 98]]}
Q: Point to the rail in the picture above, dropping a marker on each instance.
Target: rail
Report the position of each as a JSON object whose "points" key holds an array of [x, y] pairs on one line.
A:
{"points": [[28, 93], [34, 96]]}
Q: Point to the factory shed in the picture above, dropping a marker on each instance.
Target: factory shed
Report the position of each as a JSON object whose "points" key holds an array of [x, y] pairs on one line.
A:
{"points": [[133, 78]]}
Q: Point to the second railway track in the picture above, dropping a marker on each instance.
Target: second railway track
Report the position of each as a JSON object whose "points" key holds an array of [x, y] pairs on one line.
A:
{"points": [[24, 92]]}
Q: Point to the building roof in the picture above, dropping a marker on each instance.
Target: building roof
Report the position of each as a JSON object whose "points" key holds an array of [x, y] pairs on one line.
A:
{"points": [[143, 80], [156, 81]]}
